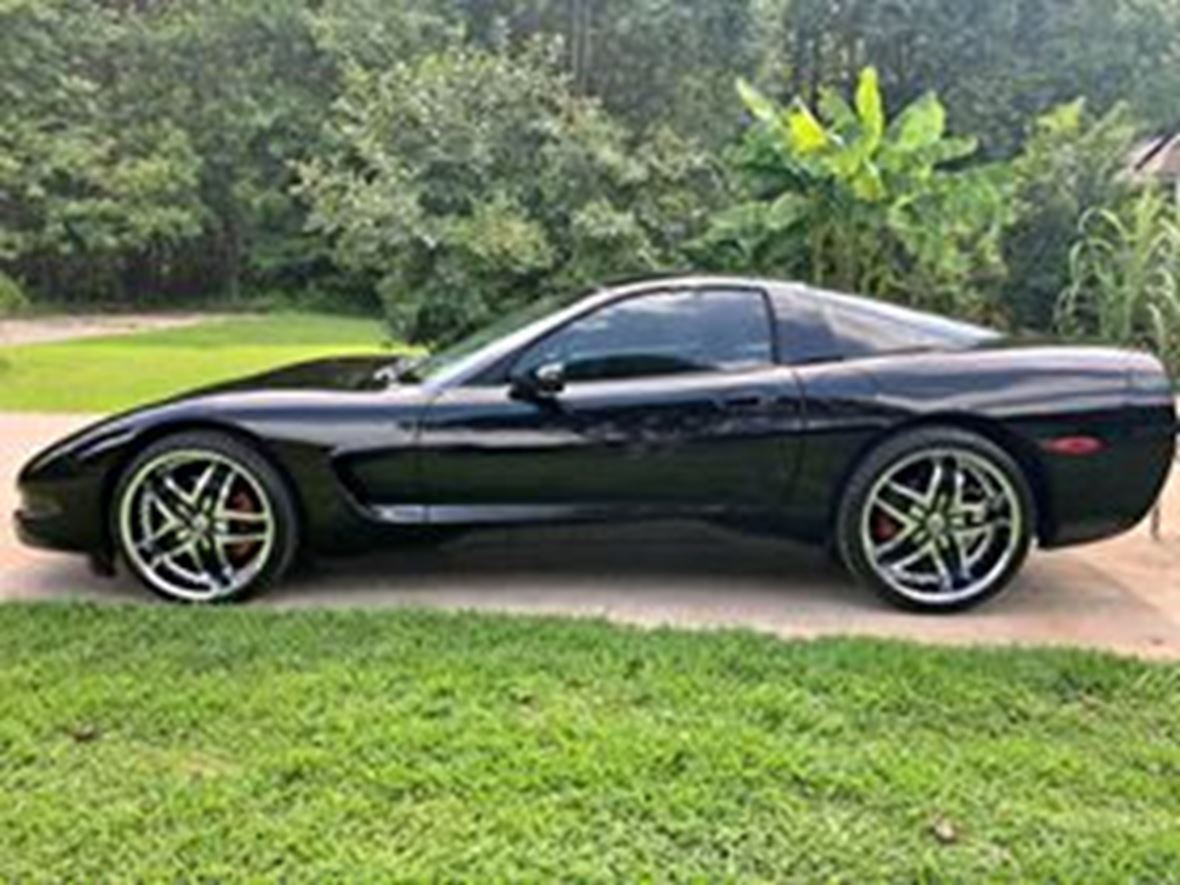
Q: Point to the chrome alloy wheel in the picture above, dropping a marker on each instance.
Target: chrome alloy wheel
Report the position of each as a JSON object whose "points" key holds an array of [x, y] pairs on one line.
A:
{"points": [[941, 525], [196, 524]]}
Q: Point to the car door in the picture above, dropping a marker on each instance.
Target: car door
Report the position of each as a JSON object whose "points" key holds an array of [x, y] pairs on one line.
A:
{"points": [[672, 403]]}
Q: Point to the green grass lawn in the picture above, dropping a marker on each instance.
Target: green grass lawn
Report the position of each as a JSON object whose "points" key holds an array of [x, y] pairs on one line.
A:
{"points": [[165, 743], [112, 373]]}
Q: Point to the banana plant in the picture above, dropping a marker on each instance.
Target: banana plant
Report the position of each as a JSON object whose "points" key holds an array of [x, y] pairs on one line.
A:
{"points": [[845, 197]]}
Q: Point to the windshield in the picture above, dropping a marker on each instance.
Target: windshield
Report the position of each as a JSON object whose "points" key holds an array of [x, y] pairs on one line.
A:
{"points": [[450, 358]]}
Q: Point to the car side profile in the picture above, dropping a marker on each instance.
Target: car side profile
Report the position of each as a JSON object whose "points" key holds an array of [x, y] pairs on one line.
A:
{"points": [[929, 454]]}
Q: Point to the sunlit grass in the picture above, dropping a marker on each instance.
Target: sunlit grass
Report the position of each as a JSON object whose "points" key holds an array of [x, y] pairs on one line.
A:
{"points": [[117, 372], [157, 743]]}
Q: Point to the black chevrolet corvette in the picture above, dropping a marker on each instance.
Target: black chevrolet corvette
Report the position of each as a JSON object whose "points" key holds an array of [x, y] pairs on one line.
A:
{"points": [[930, 454]]}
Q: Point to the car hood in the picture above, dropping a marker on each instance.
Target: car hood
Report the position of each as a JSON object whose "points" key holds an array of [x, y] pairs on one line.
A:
{"points": [[347, 373], [330, 391]]}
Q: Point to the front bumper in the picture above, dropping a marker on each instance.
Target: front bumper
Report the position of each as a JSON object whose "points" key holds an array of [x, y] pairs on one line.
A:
{"points": [[61, 513], [44, 532]]}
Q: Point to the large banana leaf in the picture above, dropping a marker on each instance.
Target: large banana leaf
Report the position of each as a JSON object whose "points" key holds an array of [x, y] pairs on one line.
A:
{"points": [[870, 109]]}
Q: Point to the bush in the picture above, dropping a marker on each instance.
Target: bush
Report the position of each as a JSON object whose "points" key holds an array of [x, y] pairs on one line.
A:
{"points": [[12, 296]]}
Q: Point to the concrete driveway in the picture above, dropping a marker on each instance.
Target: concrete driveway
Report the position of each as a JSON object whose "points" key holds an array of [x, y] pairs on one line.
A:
{"points": [[46, 329], [1122, 595]]}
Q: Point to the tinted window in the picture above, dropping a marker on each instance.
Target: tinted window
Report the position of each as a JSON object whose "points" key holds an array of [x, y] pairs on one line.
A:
{"points": [[660, 334], [801, 332], [866, 328]]}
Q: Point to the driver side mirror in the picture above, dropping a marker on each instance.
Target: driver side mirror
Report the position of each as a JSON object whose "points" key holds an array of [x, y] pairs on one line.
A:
{"points": [[543, 382]]}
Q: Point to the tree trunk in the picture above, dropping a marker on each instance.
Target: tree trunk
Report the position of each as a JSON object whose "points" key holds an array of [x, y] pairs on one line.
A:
{"points": [[232, 268]]}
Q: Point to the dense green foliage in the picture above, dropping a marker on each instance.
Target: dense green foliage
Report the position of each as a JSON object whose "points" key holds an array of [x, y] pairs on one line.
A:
{"points": [[164, 743], [444, 159], [1125, 276], [851, 200], [1070, 163], [461, 201], [996, 63], [122, 371]]}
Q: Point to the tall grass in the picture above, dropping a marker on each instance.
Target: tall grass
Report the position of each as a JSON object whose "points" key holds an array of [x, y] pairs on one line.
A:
{"points": [[1125, 277]]}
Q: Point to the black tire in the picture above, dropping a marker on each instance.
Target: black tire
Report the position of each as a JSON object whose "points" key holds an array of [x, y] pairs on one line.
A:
{"points": [[273, 559], [852, 534]]}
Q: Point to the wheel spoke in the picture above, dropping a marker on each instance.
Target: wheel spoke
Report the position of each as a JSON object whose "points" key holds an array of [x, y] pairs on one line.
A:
{"points": [[946, 577], [153, 501], [900, 517], [152, 536], [230, 539], [934, 486], [904, 571], [240, 516], [974, 544], [182, 546], [896, 542], [912, 559], [959, 480], [201, 484], [899, 488], [169, 497], [213, 562], [173, 488]]}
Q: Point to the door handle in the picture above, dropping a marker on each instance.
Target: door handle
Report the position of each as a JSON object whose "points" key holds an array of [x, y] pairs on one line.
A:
{"points": [[747, 401]]}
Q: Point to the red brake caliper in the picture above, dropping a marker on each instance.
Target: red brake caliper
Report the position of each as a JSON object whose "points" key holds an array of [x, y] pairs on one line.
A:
{"points": [[241, 501], [884, 528]]}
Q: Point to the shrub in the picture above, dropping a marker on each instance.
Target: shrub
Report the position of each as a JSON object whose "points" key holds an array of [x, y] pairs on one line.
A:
{"points": [[12, 296]]}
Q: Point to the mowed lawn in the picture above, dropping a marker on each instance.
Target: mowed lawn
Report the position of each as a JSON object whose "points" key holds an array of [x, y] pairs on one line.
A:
{"points": [[164, 743], [118, 372]]}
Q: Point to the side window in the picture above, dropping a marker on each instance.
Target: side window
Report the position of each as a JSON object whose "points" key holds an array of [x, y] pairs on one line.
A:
{"points": [[801, 329], [659, 334]]}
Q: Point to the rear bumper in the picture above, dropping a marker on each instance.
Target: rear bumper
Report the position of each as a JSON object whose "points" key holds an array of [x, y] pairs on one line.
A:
{"points": [[1098, 497]]}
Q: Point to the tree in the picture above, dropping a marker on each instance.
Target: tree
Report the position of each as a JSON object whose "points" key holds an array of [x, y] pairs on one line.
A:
{"points": [[151, 149], [1071, 163], [91, 184], [459, 203], [996, 64], [651, 63], [148, 148], [846, 199]]}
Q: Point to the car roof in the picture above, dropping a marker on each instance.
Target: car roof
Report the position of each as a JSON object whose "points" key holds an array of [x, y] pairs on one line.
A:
{"points": [[687, 281], [873, 308]]}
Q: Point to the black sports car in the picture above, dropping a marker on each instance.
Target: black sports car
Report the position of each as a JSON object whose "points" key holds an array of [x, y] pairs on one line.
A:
{"points": [[928, 453]]}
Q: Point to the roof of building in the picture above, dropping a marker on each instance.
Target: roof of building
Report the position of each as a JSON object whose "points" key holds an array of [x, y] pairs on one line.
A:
{"points": [[1157, 157]]}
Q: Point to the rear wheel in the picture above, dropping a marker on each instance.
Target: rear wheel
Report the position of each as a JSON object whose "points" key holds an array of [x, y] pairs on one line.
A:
{"points": [[201, 517], [936, 520]]}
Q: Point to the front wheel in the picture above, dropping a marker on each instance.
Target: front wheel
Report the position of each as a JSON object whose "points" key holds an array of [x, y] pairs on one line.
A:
{"points": [[936, 520], [201, 517]]}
